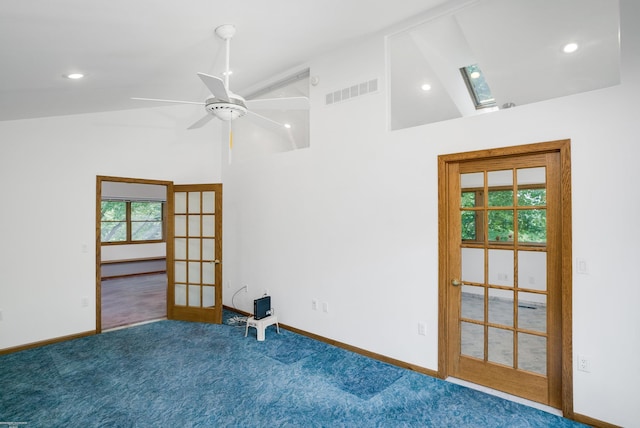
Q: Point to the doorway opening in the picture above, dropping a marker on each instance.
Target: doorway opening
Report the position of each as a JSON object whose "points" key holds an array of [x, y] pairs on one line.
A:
{"points": [[131, 273]]}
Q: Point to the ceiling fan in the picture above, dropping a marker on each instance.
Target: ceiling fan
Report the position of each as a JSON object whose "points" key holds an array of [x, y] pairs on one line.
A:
{"points": [[227, 106]]}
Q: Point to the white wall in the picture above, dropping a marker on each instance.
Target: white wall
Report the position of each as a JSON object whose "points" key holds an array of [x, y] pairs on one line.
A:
{"points": [[352, 221], [48, 169], [133, 251]]}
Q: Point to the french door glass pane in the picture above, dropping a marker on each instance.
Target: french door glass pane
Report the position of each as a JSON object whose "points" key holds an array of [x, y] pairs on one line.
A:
{"points": [[180, 271], [471, 225], [532, 197], [194, 295], [500, 346], [180, 225], [532, 270], [209, 225], [180, 202], [501, 307], [208, 249], [474, 180], [532, 353], [194, 271], [194, 249], [473, 265], [500, 225], [180, 248], [472, 303], [501, 267], [208, 297], [209, 202], [472, 340], [209, 273], [531, 176], [532, 311], [194, 202], [194, 225], [468, 199], [500, 178], [500, 198], [180, 294], [532, 226]]}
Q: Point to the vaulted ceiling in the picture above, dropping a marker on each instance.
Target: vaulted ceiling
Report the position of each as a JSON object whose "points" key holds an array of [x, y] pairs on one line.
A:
{"points": [[150, 48]]}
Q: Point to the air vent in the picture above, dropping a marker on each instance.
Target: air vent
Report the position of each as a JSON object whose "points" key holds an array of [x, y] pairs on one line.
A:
{"points": [[354, 91]]}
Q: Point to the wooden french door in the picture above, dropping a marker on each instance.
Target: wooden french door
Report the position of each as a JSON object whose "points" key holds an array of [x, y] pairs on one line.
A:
{"points": [[194, 253], [503, 290]]}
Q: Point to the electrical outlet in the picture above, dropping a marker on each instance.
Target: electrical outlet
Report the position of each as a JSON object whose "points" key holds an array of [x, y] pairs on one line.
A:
{"points": [[314, 304], [325, 307], [583, 364], [84, 302], [422, 329]]}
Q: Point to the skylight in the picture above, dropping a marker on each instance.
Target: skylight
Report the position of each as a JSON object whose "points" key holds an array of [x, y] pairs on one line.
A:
{"points": [[478, 87]]}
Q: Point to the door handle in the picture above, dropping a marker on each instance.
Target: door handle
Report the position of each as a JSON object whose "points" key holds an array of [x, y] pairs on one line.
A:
{"points": [[216, 261], [456, 282]]}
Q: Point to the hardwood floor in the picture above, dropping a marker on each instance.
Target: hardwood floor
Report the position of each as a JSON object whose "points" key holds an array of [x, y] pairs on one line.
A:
{"points": [[133, 299]]}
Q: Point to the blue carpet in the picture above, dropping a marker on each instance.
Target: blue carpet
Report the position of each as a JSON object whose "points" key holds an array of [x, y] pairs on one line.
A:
{"points": [[179, 374]]}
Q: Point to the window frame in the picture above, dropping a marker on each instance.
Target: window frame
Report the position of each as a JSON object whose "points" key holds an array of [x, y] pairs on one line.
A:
{"points": [[129, 223]]}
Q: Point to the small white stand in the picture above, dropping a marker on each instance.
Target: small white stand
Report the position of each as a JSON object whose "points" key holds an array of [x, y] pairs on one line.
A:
{"points": [[260, 325]]}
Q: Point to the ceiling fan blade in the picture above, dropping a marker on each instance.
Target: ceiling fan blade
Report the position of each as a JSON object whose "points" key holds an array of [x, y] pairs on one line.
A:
{"points": [[201, 122], [272, 125], [215, 85], [168, 101], [287, 103], [265, 122]]}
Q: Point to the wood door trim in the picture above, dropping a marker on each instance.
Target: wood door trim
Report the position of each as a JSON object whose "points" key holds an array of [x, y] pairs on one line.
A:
{"points": [[445, 162]]}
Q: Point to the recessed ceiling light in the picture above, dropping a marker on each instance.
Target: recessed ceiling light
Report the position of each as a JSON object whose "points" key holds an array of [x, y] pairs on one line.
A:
{"points": [[287, 125], [570, 47], [426, 87], [74, 76], [474, 74]]}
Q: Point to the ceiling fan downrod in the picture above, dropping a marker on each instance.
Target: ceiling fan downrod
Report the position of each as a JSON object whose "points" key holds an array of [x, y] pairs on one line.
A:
{"points": [[226, 32]]}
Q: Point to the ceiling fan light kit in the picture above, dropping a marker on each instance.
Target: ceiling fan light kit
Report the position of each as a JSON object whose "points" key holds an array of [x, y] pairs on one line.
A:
{"points": [[226, 111]]}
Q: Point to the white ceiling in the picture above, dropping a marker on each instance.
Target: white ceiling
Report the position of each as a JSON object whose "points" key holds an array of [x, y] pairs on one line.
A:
{"points": [[152, 48]]}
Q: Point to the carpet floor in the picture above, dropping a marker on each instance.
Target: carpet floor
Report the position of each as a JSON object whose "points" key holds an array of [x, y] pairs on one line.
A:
{"points": [[181, 374]]}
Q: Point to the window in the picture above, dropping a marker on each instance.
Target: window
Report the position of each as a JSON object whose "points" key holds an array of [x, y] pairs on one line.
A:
{"points": [[131, 222], [477, 86]]}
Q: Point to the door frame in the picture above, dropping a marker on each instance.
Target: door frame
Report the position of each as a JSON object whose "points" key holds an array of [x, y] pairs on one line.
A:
{"points": [[564, 148], [99, 180]]}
